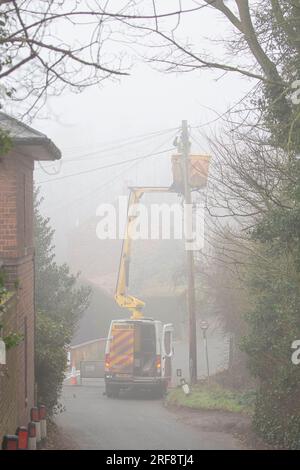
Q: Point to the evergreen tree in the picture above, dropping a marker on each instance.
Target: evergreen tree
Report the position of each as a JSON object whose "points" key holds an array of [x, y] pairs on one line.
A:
{"points": [[60, 302]]}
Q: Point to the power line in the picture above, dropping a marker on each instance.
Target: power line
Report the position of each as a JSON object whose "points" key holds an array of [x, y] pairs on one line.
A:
{"points": [[130, 140], [106, 166], [111, 180], [45, 169], [109, 149], [102, 187], [106, 150]]}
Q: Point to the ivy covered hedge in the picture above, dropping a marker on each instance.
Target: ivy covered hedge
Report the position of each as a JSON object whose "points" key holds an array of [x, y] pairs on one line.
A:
{"points": [[13, 338], [274, 324]]}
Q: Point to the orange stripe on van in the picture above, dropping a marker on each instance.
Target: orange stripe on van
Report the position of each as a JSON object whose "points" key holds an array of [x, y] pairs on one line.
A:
{"points": [[126, 342], [124, 363], [126, 349], [126, 358], [122, 350], [120, 337]]}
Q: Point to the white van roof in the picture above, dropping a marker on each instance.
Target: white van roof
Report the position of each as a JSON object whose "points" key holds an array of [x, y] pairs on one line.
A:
{"points": [[129, 320]]}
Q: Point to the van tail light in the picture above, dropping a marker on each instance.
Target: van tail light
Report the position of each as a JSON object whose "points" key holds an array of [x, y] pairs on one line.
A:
{"points": [[107, 362], [158, 364]]}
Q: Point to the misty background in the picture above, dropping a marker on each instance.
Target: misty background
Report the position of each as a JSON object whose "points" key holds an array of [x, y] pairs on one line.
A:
{"points": [[135, 117]]}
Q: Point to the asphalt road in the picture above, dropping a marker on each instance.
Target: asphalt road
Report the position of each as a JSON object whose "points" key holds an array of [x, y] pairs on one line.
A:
{"points": [[94, 421]]}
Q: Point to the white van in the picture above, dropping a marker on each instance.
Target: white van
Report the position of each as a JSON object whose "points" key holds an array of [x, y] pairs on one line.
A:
{"points": [[138, 355]]}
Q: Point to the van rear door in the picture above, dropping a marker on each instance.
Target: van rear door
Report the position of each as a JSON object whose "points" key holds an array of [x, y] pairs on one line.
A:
{"points": [[167, 350], [121, 354], [145, 349]]}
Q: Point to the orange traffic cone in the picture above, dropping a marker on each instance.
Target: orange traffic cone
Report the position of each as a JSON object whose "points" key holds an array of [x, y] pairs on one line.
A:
{"points": [[73, 376]]}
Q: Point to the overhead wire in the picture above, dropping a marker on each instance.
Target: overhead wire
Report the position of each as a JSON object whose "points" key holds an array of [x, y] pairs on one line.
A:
{"points": [[104, 167], [128, 139], [117, 177], [98, 152]]}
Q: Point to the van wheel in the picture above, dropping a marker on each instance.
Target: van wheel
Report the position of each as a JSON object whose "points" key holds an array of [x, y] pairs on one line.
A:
{"points": [[160, 391], [112, 391]]}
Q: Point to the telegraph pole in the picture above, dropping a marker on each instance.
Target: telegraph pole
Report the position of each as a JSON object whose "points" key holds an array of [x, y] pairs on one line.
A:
{"points": [[191, 301]]}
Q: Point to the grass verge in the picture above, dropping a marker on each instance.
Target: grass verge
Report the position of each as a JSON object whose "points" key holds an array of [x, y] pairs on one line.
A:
{"points": [[213, 397]]}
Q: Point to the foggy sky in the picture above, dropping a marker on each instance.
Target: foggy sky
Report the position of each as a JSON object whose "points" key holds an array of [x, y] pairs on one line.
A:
{"points": [[92, 126]]}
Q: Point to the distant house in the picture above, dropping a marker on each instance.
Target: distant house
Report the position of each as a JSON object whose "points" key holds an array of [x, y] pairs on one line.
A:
{"points": [[17, 384], [88, 351]]}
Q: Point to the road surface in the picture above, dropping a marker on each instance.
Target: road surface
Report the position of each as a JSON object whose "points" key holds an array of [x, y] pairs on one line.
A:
{"points": [[94, 421]]}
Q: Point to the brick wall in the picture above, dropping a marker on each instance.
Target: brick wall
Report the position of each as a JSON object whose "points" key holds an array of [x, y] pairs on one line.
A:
{"points": [[16, 206], [17, 257], [8, 203]]}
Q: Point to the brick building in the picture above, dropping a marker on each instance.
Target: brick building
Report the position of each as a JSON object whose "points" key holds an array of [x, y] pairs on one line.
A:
{"points": [[17, 391]]}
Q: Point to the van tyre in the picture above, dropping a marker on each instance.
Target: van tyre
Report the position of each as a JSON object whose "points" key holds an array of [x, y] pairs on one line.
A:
{"points": [[160, 391], [112, 391]]}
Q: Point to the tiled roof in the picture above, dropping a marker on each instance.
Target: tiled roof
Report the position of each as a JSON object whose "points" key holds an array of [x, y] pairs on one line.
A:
{"points": [[39, 146]]}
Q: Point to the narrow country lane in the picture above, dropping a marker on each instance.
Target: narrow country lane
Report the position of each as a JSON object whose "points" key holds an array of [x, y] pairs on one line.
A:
{"points": [[94, 421]]}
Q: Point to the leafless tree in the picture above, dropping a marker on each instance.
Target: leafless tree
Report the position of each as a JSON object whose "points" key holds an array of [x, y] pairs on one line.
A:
{"points": [[263, 45], [48, 46]]}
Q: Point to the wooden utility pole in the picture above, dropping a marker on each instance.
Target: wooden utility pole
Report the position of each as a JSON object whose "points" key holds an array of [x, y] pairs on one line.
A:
{"points": [[191, 301]]}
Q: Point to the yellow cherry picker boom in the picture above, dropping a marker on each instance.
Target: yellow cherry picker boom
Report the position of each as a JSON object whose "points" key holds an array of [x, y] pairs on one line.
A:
{"points": [[138, 350], [123, 299]]}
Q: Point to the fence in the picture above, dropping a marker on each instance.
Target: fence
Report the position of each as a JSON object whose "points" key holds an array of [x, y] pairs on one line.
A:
{"points": [[91, 370]]}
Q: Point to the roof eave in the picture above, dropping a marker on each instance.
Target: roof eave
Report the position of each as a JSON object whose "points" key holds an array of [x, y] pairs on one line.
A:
{"points": [[46, 144]]}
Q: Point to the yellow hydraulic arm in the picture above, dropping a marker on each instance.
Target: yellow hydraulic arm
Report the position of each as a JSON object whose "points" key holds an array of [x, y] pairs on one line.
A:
{"points": [[133, 304]]}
